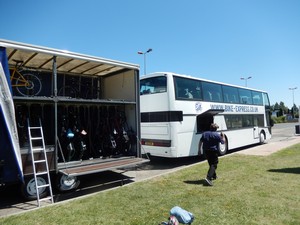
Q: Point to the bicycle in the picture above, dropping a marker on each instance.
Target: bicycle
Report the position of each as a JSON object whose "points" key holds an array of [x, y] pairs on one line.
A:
{"points": [[77, 88], [26, 84]]}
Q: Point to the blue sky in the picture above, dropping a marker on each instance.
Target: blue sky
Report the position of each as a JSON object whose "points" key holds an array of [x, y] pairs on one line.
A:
{"points": [[221, 40]]}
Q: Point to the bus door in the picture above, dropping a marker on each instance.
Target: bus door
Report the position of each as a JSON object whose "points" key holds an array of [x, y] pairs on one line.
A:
{"points": [[255, 132], [204, 120]]}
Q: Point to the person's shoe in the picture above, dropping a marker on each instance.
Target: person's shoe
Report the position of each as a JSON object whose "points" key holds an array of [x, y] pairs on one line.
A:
{"points": [[209, 182], [214, 178]]}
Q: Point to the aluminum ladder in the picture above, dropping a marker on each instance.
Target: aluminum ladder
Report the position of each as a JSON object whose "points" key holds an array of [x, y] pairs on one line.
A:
{"points": [[39, 162]]}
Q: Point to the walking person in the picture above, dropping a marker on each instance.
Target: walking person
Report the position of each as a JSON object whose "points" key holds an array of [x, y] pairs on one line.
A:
{"points": [[211, 140]]}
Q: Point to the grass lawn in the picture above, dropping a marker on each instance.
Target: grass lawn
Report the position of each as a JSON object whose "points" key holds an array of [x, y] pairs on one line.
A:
{"points": [[250, 190]]}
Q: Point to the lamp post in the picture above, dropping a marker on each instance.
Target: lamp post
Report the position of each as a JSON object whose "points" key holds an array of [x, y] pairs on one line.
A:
{"points": [[245, 78], [293, 90], [144, 53]]}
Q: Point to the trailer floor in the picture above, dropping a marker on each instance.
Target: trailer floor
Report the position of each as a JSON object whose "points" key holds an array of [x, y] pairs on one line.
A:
{"points": [[84, 167]]}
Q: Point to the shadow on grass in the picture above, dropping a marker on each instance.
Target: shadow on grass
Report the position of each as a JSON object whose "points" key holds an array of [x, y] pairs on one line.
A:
{"points": [[160, 163], [196, 182], [295, 170], [93, 183]]}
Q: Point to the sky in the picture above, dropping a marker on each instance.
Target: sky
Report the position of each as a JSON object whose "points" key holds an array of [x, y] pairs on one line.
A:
{"points": [[220, 40]]}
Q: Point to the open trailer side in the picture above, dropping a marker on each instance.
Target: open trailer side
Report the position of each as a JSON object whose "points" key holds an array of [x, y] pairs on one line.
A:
{"points": [[88, 108]]}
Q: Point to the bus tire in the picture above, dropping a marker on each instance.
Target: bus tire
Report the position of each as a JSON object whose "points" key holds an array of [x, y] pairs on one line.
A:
{"points": [[67, 183], [28, 189], [223, 148], [262, 138], [201, 152]]}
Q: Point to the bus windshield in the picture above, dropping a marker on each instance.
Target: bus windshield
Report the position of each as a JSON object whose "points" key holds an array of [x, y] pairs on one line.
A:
{"points": [[153, 85]]}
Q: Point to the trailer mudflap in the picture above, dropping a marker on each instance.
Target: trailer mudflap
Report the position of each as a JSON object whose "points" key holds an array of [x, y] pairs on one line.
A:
{"points": [[98, 165]]}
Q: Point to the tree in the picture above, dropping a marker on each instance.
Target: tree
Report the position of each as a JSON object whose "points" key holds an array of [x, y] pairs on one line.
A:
{"points": [[295, 111], [281, 108]]}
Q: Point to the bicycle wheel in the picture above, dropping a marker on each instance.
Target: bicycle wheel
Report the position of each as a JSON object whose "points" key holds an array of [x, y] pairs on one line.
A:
{"points": [[31, 86], [67, 91]]}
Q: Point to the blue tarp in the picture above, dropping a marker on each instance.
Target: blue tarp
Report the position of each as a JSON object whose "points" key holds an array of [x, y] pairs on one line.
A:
{"points": [[10, 157]]}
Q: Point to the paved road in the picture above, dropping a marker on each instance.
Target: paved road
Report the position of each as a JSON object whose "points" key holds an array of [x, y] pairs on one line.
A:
{"points": [[283, 131], [11, 202], [283, 135]]}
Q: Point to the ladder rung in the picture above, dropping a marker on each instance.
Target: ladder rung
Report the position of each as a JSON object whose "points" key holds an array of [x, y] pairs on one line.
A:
{"points": [[44, 185], [39, 161], [36, 138], [46, 198], [41, 173], [34, 127], [37, 149]]}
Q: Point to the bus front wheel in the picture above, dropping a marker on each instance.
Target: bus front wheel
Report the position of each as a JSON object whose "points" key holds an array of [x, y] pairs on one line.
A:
{"points": [[262, 138], [223, 148], [201, 152]]}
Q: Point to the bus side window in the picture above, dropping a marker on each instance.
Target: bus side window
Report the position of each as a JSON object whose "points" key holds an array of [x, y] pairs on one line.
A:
{"points": [[257, 98], [255, 121], [247, 121], [217, 97], [244, 99], [213, 96], [255, 101], [233, 99], [181, 93], [160, 89], [197, 94], [226, 98], [207, 96], [146, 91], [188, 94], [230, 94], [245, 96]]}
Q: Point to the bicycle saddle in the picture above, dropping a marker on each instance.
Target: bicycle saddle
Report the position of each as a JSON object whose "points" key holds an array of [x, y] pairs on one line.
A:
{"points": [[18, 62]]}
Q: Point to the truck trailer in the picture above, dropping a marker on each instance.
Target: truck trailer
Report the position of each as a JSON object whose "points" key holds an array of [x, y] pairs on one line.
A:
{"points": [[87, 108]]}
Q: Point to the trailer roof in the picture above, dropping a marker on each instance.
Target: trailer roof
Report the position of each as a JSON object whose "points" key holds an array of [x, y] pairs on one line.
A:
{"points": [[41, 58]]}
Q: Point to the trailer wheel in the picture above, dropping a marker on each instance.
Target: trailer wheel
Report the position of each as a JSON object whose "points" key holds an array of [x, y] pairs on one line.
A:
{"points": [[67, 183], [28, 189]]}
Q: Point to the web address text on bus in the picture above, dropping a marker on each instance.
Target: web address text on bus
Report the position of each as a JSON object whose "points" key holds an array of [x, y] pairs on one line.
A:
{"points": [[232, 108]]}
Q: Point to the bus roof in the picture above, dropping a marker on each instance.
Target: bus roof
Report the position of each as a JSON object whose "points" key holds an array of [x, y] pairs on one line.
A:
{"points": [[196, 78], [40, 58]]}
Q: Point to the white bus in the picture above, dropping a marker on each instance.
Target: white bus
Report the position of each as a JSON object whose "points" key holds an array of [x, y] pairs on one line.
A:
{"points": [[177, 109]]}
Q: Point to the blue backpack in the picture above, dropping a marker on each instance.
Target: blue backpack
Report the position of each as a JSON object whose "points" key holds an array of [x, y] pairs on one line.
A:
{"points": [[182, 215]]}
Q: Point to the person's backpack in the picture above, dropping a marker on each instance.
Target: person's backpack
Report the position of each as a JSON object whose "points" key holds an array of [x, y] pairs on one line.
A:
{"points": [[182, 215]]}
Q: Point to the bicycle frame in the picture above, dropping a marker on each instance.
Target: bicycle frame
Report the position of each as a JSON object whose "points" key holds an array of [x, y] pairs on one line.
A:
{"points": [[22, 82], [27, 84]]}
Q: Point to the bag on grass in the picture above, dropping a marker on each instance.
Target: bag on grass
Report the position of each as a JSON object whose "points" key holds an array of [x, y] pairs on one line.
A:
{"points": [[182, 215], [172, 221]]}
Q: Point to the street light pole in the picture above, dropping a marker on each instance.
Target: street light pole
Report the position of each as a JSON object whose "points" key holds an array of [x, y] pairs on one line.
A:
{"points": [[245, 78], [144, 53], [293, 89]]}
